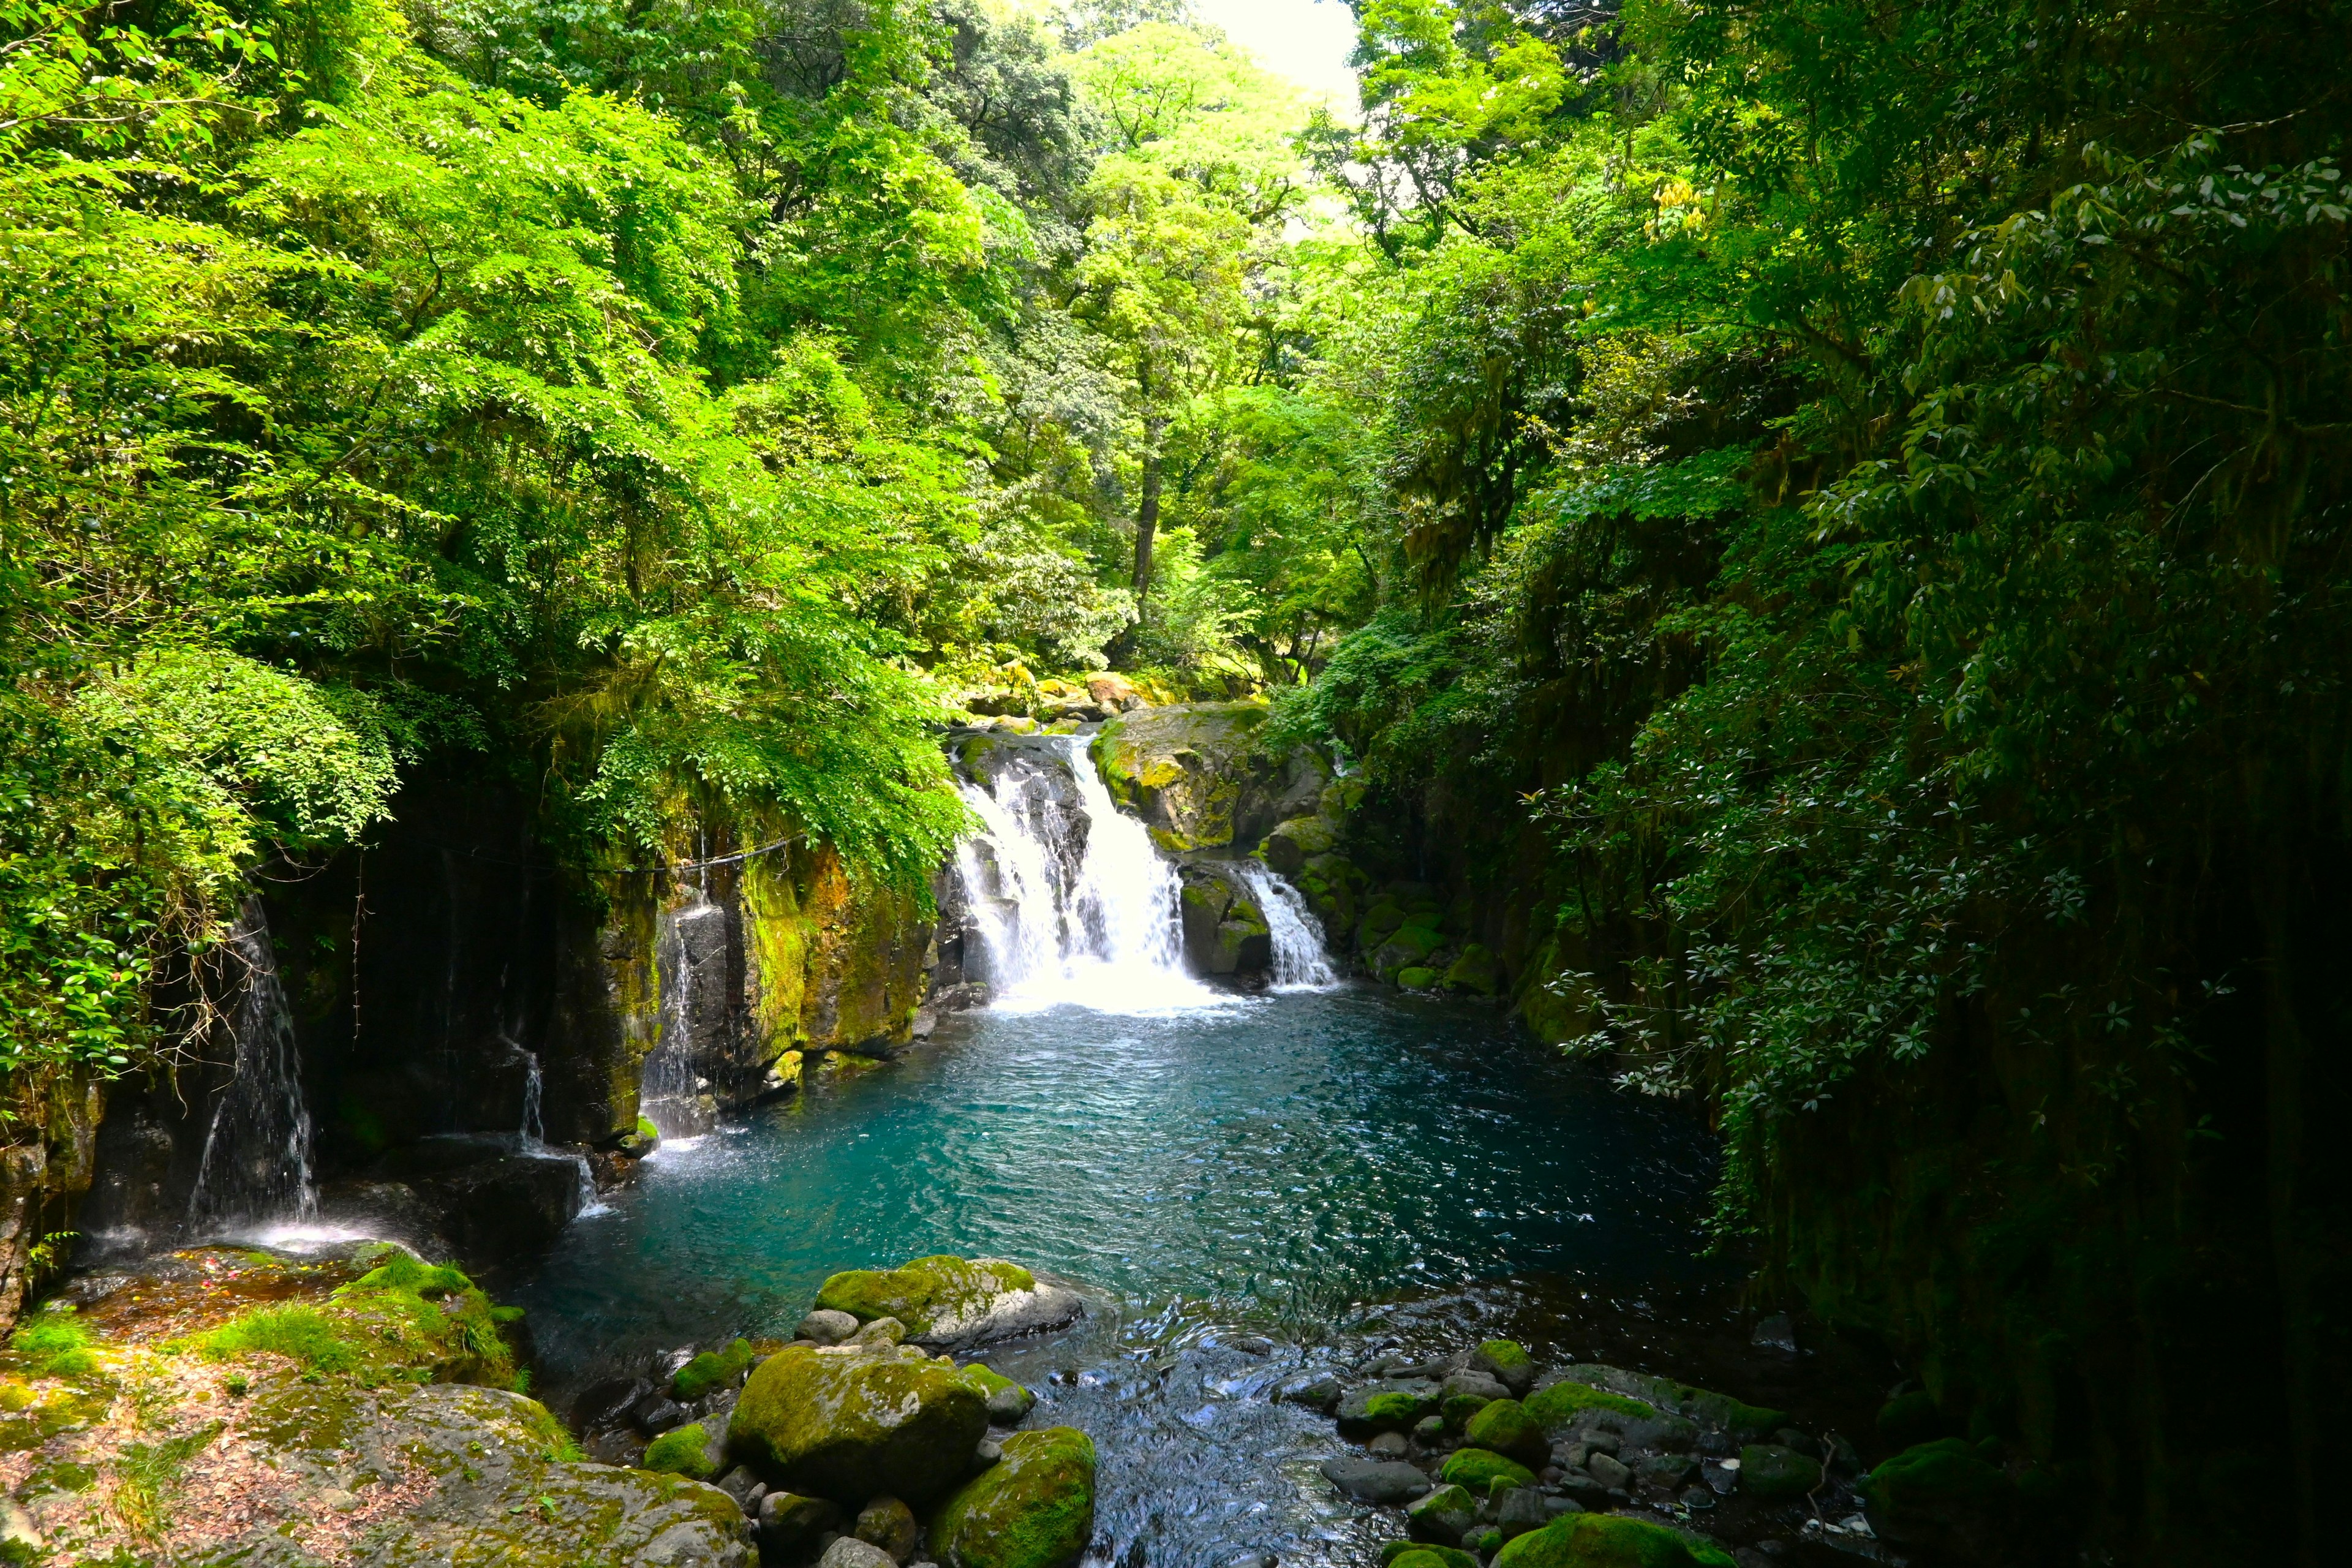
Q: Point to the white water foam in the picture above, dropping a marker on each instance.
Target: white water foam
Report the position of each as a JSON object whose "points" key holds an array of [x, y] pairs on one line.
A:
{"points": [[1300, 961], [1074, 905]]}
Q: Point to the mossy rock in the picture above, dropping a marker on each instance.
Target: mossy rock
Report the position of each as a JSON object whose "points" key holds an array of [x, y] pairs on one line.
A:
{"points": [[1505, 1426], [1609, 1541], [1910, 1419], [710, 1370], [1034, 1508], [1007, 1401], [1417, 979], [942, 1298], [1407, 948], [1383, 1407], [1475, 971], [1556, 1408], [1933, 1487], [681, 1451], [1380, 922], [1771, 1472], [1477, 1470], [1294, 843], [855, 1422], [1395, 1551], [1459, 1408], [1443, 1515], [1184, 769], [1507, 1361]]}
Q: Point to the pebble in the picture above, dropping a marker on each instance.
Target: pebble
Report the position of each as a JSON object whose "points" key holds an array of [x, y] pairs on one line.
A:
{"points": [[1390, 1444]]}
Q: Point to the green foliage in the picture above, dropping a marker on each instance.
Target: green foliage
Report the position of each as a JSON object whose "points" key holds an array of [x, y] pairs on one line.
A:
{"points": [[304, 1335], [54, 1343]]}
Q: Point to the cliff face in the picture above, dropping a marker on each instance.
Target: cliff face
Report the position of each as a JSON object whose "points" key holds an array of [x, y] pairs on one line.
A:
{"points": [[465, 1010]]}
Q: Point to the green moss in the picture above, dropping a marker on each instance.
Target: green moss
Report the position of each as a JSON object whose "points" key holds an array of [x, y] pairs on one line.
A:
{"points": [[925, 1294], [853, 1422], [403, 1319], [681, 1451], [1459, 1408], [1609, 1541], [1418, 978], [1937, 1477], [1476, 1469], [1503, 1356], [1910, 1419], [304, 1335], [1474, 970], [711, 1370], [1556, 1407], [54, 1343], [1505, 1426], [1395, 1408], [1771, 1472], [1034, 1508]]}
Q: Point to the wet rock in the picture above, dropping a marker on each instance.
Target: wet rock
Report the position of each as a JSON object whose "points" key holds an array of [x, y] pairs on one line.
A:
{"points": [[657, 1412], [1605, 1469], [1503, 1426], [1385, 1407], [857, 1422], [1390, 1446], [790, 1524], [745, 1488], [1776, 1332], [1611, 1540], [1506, 1361], [889, 1524], [711, 1371], [826, 1327], [1672, 1471], [1771, 1472], [1033, 1509], [1007, 1401], [1444, 1515], [1429, 1431], [1316, 1390], [1479, 1469], [1253, 1344], [1722, 1479], [1201, 777], [1388, 1481], [608, 1404], [953, 1303]]}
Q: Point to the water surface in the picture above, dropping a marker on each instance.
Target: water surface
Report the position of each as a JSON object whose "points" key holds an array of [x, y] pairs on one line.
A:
{"points": [[1320, 1167]]}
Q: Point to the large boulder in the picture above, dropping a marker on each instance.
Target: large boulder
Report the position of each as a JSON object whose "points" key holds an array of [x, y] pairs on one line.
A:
{"points": [[1226, 933], [1034, 1508], [855, 1422], [1201, 775], [953, 1303], [1503, 1426], [1940, 1494], [1609, 1541]]}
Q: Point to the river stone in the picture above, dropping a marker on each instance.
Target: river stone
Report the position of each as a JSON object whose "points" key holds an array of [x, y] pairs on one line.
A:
{"points": [[1932, 1492], [880, 1331], [1444, 1516], [953, 1303], [853, 1422], [1507, 1362], [1418, 1554], [889, 1524], [1609, 1471], [826, 1327], [1385, 1407], [790, 1524], [1479, 1469], [1503, 1426], [848, 1551], [1317, 1390], [1609, 1541], [1007, 1401], [1770, 1471], [1523, 1509], [1375, 1480], [1034, 1508]]}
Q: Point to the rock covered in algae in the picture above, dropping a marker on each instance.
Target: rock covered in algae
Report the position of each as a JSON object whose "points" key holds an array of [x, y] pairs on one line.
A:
{"points": [[1479, 1469], [1503, 1426], [853, 1422], [1034, 1508], [953, 1302], [1609, 1541]]}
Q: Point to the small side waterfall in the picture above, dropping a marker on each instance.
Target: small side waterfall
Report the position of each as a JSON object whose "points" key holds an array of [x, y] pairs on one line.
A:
{"points": [[1300, 959], [1074, 903], [690, 958], [256, 1160]]}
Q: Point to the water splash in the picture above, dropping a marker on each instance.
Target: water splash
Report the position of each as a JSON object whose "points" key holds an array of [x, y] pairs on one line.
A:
{"points": [[257, 1159], [1300, 961], [1074, 903]]}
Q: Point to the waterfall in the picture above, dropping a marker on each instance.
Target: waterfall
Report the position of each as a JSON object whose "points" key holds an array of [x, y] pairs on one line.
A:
{"points": [[1072, 902], [533, 1130], [693, 1015], [1299, 959], [256, 1158]]}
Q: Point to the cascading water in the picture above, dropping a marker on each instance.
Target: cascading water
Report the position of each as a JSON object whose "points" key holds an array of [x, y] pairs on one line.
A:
{"points": [[1074, 903], [672, 1095], [1299, 959], [257, 1159]]}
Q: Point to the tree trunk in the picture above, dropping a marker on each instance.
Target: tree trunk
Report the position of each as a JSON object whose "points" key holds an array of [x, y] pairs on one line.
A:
{"points": [[1146, 515]]}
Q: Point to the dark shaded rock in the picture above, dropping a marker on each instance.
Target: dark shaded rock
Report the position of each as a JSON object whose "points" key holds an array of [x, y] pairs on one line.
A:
{"points": [[608, 1404], [888, 1524], [1316, 1390], [1771, 1472], [1444, 1515], [791, 1524], [1522, 1510]]}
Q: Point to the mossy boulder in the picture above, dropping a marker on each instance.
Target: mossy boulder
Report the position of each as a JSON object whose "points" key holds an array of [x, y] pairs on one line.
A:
{"points": [[682, 1451], [1477, 1470], [1294, 843], [850, 1422], [1378, 1408], [1936, 1493], [1506, 1361], [1034, 1508], [1334, 887], [1379, 923], [1417, 979], [1503, 1426], [1409, 947], [1556, 1408], [1444, 1515], [711, 1371], [950, 1302], [1395, 1551], [1458, 1408], [1474, 971], [1201, 775], [1007, 1401], [1771, 1472], [1609, 1541]]}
